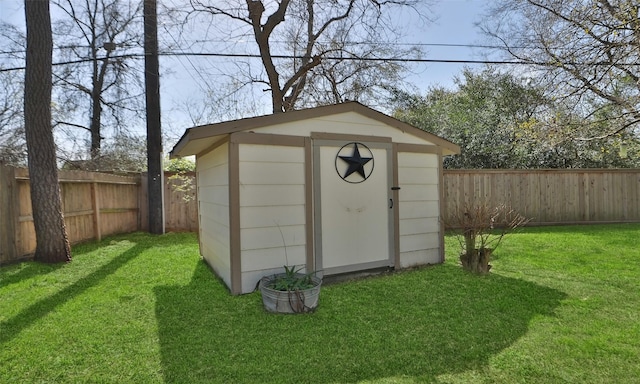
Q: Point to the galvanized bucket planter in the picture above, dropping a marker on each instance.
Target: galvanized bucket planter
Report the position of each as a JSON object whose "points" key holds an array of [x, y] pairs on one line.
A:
{"points": [[294, 301]]}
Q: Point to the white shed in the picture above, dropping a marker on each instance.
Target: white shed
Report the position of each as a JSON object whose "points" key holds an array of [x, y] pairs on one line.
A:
{"points": [[333, 189]]}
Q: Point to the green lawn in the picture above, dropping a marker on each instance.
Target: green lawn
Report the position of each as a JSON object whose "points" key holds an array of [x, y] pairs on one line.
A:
{"points": [[562, 304]]}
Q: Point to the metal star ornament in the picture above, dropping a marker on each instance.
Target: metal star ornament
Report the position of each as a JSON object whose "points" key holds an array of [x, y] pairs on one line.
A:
{"points": [[355, 162]]}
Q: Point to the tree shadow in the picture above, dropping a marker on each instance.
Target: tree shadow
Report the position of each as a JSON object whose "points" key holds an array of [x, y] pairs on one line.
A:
{"points": [[12, 327], [418, 324], [14, 273]]}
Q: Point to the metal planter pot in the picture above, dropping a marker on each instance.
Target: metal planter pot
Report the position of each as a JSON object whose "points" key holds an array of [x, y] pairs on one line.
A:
{"points": [[299, 301]]}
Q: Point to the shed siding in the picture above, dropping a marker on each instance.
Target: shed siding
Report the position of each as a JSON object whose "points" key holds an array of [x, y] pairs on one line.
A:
{"points": [[343, 123], [272, 210], [213, 201], [419, 210]]}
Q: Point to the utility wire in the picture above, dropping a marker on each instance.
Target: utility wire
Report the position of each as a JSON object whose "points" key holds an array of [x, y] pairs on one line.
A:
{"points": [[442, 45], [199, 73], [388, 59]]}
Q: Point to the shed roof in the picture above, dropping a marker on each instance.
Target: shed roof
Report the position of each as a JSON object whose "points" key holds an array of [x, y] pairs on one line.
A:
{"points": [[197, 139]]}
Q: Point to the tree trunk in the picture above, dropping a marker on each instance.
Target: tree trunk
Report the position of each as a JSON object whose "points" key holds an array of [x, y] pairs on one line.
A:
{"points": [[477, 260], [95, 125], [52, 244]]}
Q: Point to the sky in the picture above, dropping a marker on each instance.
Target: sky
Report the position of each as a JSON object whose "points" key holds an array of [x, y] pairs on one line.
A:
{"points": [[454, 25]]}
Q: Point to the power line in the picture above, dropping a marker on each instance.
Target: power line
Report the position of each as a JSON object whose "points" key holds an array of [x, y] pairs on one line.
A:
{"points": [[382, 59], [442, 45], [204, 80]]}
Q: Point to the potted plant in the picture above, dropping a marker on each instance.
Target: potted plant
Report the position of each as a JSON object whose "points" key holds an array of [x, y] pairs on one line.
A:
{"points": [[291, 291], [479, 228]]}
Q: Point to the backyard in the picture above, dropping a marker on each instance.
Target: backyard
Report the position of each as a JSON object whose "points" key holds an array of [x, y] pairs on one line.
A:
{"points": [[562, 304]]}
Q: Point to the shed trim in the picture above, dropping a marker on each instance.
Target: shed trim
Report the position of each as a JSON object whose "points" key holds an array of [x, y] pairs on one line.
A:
{"points": [[267, 139], [308, 187], [442, 205], [348, 137], [396, 210], [234, 218], [418, 148]]}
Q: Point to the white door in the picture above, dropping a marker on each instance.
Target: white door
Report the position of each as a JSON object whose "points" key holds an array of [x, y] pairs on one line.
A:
{"points": [[353, 207]]}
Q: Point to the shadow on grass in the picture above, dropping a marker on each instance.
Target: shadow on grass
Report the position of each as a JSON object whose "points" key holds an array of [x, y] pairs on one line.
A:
{"points": [[414, 325], [30, 270], [12, 327]]}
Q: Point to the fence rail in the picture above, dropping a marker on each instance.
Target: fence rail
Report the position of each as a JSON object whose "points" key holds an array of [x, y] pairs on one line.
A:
{"points": [[97, 204]]}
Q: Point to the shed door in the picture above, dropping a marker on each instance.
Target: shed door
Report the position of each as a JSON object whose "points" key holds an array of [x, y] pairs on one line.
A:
{"points": [[353, 210]]}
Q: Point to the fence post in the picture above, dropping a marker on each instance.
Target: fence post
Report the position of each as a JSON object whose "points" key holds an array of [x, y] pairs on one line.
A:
{"points": [[8, 212], [143, 207], [95, 205]]}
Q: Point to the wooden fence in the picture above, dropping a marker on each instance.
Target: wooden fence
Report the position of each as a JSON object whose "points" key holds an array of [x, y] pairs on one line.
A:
{"points": [[94, 205], [97, 204], [180, 204], [575, 196]]}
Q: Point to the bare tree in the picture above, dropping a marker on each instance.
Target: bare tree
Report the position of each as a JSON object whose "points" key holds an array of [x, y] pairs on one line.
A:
{"points": [[226, 102], [52, 244], [98, 32], [316, 32], [357, 72], [585, 51], [12, 145], [479, 227]]}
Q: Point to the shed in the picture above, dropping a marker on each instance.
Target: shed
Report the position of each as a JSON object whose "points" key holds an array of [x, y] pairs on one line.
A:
{"points": [[333, 189]]}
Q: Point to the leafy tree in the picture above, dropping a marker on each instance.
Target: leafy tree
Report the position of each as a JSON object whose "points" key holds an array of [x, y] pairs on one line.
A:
{"points": [[319, 38], [585, 52], [52, 244], [483, 116], [501, 121], [180, 165]]}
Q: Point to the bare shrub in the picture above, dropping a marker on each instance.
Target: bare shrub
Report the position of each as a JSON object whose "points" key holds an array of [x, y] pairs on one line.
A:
{"points": [[479, 228]]}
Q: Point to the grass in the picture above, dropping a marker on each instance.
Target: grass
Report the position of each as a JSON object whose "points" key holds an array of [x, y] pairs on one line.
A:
{"points": [[561, 305]]}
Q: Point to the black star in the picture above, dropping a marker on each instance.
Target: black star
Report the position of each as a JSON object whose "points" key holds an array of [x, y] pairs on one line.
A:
{"points": [[356, 162]]}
